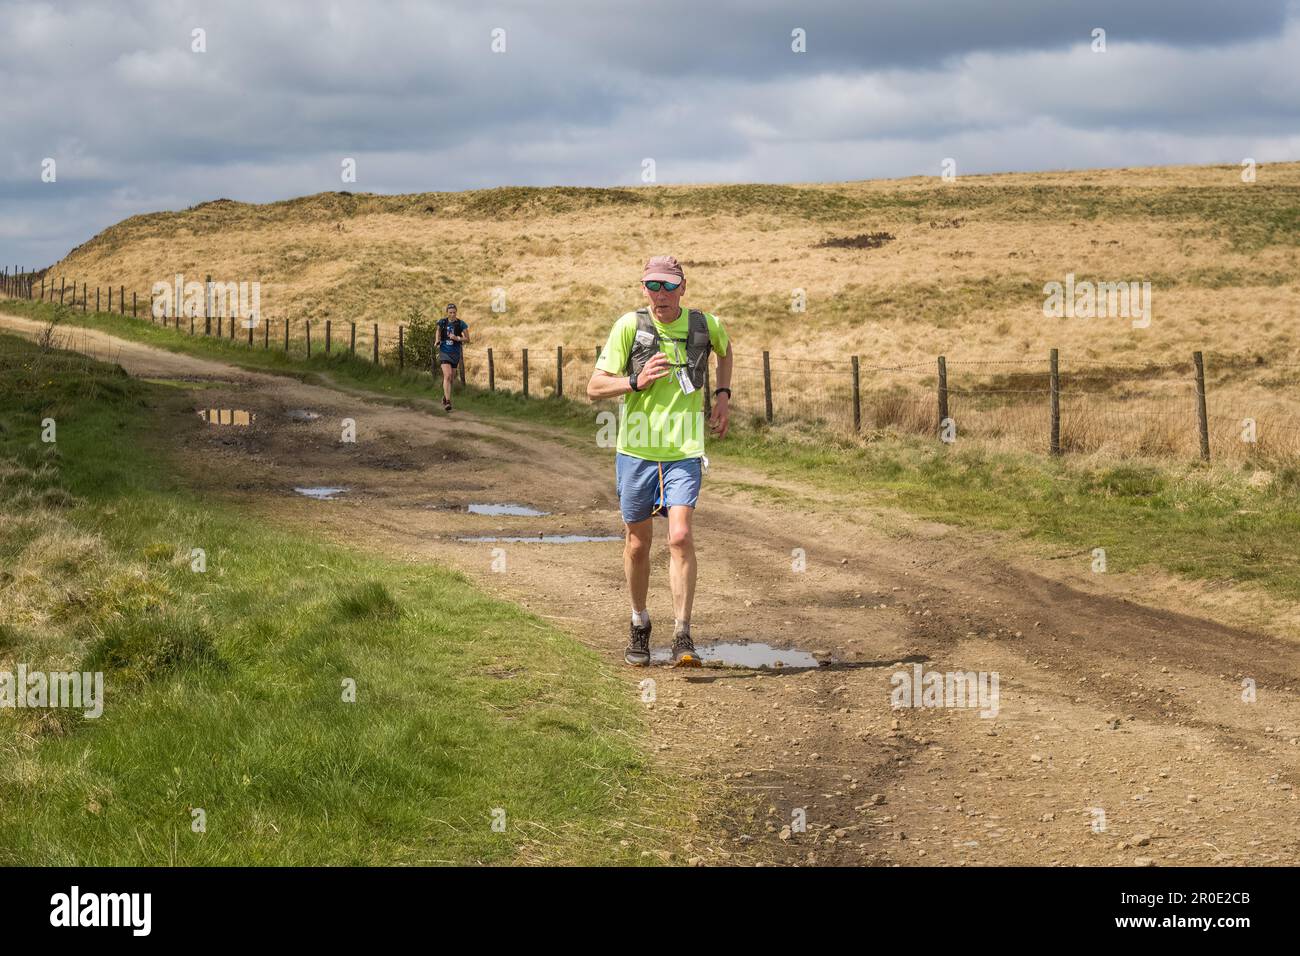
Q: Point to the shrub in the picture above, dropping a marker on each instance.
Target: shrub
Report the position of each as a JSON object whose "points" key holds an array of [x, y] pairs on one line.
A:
{"points": [[418, 340]]}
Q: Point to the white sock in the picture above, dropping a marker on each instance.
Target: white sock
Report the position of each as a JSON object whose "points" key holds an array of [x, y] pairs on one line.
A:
{"points": [[641, 618], [681, 627]]}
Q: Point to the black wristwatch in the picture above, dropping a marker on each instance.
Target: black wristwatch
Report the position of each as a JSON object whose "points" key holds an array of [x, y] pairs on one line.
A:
{"points": [[719, 391], [631, 380]]}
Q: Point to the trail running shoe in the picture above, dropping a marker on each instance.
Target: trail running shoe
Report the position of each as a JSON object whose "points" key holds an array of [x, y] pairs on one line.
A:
{"points": [[446, 405], [684, 654], [638, 646]]}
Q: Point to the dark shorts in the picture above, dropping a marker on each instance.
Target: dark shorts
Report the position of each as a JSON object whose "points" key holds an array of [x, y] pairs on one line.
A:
{"points": [[445, 359], [640, 482]]}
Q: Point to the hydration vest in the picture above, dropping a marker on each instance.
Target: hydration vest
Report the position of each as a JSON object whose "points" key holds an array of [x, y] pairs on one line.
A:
{"points": [[697, 345]]}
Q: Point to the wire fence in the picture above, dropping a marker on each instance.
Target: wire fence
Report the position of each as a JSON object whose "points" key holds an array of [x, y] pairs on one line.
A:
{"points": [[1047, 403]]}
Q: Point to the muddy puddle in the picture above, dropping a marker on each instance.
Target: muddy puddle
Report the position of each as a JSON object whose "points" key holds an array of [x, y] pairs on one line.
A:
{"points": [[753, 655], [321, 494], [227, 416], [510, 511], [301, 415], [544, 538]]}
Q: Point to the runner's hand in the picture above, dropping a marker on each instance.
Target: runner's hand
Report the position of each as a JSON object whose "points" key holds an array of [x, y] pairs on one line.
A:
{"points": [[721, 415], [654, 370]]}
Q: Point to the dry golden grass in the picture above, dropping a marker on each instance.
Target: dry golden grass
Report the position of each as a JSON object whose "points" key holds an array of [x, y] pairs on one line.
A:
{"points": [[963, 277]]}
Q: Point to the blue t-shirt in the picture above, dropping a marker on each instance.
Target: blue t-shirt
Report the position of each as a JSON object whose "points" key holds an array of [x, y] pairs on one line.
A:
{"points": [[455, 327]]}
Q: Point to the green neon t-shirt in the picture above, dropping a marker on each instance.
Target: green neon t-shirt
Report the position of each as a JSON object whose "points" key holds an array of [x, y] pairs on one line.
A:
{"points": [[660, 423]]}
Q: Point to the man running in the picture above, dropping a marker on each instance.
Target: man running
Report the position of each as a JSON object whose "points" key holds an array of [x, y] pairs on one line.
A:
{"points": [[452, 334], [656, 358]]}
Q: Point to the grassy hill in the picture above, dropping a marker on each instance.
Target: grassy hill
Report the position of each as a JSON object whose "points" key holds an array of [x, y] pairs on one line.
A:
{"points": [[962, 273]]}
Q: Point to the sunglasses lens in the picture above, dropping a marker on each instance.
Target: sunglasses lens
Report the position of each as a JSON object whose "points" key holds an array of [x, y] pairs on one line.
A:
{"points": [[654, 285]]}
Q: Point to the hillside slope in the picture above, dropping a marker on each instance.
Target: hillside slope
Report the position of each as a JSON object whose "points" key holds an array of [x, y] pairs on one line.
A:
{"points": [[961, 270]]}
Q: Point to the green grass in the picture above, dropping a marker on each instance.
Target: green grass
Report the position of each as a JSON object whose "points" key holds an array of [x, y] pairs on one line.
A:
{"points": [[1202, 522], [225, 689]]}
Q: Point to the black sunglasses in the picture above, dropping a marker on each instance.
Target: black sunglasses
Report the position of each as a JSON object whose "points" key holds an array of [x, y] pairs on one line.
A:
{"points": [[654, 285]]}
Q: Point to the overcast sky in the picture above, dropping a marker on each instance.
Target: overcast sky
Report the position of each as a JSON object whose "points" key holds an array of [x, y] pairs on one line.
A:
{"points": [[584, 91]]}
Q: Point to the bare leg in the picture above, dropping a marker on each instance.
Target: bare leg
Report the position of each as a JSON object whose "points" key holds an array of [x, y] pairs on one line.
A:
{"points": [[447, 372], [681, 567], [636, 561]]}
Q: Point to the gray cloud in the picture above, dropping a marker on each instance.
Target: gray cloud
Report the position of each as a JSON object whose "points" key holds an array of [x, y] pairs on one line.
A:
{"points": [[586, 90]]}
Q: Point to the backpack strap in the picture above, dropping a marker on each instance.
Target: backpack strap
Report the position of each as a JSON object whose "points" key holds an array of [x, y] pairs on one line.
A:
{"points": [[645, 343], [698, 346]]}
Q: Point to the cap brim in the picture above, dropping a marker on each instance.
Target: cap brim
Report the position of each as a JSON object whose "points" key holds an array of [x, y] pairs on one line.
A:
{"points": [[662, 277]]}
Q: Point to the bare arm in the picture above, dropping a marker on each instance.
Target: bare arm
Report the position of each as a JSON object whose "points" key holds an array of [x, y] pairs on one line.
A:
{"points": [[721, 415], [606, 385], [725, 363]]}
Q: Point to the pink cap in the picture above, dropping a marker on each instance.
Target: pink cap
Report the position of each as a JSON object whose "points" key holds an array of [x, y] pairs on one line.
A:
{"points": [[663, 268]]}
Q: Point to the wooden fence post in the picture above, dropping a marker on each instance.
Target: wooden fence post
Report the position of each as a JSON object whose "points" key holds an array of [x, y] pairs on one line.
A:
{"points": [[63, 282], [96, 295], [943, 390], [1200, 405], [1055, 446], [327, 336], [559, 371], [286, 336], [43, 288], [266, 334], [352, 343], [375, 344], [492, 373], [309, 338], [525, 373], [121, 299], [401, 347], [207, 303], [249, 321], [134, 315], [85, 296], [460, 367], [857, 397], [767, 384]]}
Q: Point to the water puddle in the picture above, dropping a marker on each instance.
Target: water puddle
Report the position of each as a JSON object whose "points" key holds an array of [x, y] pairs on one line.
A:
{"points": [[756, 656], [302, 415], [546, 538], [513, 511], [226, 416], [321, 494]]}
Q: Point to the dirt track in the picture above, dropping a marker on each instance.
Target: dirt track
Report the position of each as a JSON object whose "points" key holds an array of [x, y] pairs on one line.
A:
{"points": [[1105, 703]]}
